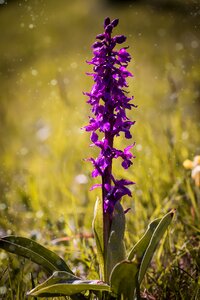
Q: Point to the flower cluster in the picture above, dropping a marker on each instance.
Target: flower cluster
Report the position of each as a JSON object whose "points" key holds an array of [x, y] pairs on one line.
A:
{"points": [[109, 103]]}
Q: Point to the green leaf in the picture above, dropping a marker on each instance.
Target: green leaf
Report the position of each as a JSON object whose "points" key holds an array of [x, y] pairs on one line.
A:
{"points": [[34, 252], [123, 279], [116, 248], [156, 237], [57, 277], [97, 226], [140, 247], [69, 288]]}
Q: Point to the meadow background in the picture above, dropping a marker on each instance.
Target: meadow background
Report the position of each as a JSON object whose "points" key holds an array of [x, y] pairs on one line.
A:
{"points": [[44, 180]]}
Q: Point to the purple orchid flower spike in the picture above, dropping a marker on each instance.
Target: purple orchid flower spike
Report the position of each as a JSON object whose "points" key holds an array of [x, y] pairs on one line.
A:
{"points": [[109, 103]]}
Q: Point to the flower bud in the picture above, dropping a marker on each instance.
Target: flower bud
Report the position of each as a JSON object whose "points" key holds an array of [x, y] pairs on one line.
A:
{"points": [[100, 36], [119, 39], [106, 22], [108, 29], [115, 22], [97, 45]]}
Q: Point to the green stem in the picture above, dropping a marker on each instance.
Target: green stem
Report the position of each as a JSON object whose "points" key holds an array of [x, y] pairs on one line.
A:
{"points": [[107, 218]]}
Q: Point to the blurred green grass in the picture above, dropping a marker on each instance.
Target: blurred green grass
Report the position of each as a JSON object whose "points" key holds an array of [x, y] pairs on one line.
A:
{"points": [[43, 49]]}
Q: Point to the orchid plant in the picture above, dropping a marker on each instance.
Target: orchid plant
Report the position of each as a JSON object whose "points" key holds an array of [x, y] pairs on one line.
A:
{"points": [[120, 273]]}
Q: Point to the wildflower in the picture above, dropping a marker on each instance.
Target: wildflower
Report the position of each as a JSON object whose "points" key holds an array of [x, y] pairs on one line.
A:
{"points": [[109, 102], [195, 167]]}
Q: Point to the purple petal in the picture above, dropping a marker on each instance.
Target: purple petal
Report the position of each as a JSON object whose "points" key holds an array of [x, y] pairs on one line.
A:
{"points": [[106, 126], [94, 137], [95, 173], [126, 164], [95, 186], [107, 187]]}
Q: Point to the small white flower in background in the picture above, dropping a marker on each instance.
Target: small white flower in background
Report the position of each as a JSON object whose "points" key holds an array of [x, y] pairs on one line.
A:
{"points": [[43, 133], [81, 179], [53, 82], [195, 167]]}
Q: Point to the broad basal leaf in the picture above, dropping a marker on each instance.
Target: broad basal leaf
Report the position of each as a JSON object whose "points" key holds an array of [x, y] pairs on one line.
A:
{"points": [[156, 237], [139, 249], [29, 249], [123, 279], [56, 278], [69, 288]]}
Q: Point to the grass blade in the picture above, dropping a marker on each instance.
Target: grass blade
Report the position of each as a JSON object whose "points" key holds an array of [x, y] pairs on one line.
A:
{"points": [[97, 227]]}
